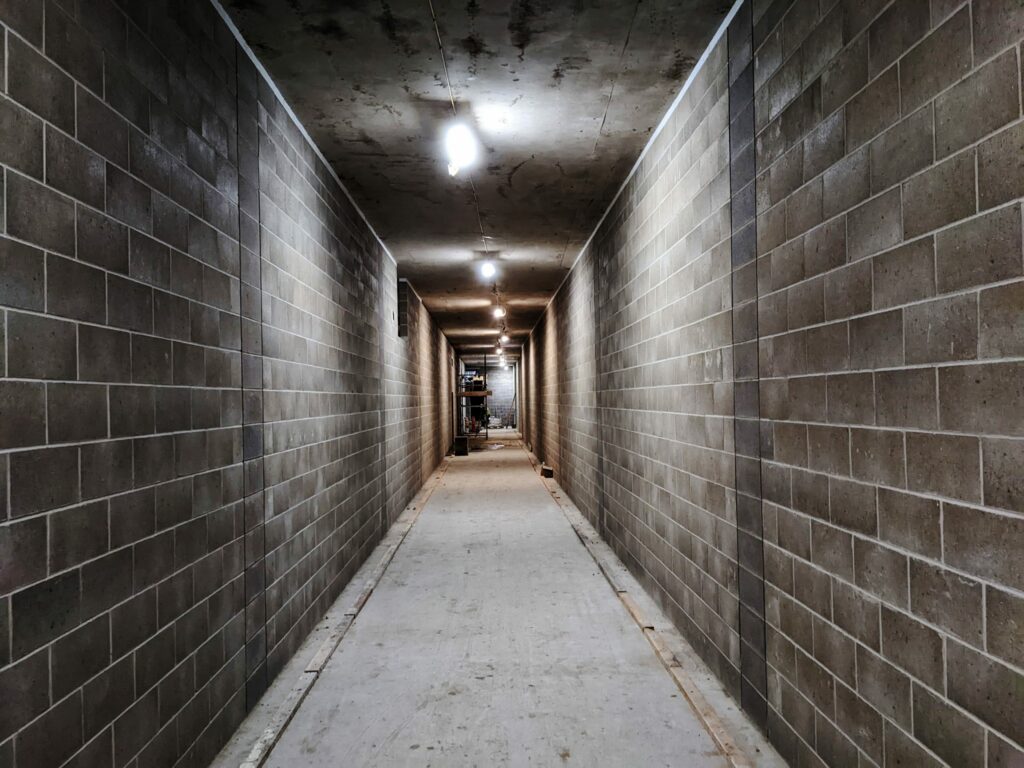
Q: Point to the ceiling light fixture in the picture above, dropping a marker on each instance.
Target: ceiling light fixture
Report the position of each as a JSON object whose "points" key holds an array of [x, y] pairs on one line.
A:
{"points": [[460, 145], [504, 338], [499, 311], [487, 269]]}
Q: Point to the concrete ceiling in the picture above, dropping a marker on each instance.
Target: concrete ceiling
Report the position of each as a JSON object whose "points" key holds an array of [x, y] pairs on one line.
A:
{"points": [[562, 95]]}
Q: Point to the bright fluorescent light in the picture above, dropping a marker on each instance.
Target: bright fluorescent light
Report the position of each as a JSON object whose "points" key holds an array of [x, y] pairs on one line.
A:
{"points": [[487, 269], [460, 145], [499, 311], [504, 338]]}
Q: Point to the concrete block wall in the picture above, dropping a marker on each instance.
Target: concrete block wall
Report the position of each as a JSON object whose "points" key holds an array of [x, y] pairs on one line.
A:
{"points": [[663, 279], [321, 384], [502, 402], [193, 416], [419, 395], [541, 367], [889, 161], [633, 405], [572, 409], [877, 443], [122, 539]]}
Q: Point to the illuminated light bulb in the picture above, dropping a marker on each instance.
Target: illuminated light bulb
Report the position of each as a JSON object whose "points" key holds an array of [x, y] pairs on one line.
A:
{"points": [[460, 145], [504, 338], [499, 311], [487, 269]]}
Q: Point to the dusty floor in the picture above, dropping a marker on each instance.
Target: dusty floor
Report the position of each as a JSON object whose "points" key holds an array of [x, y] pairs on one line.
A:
{"points": [[493, 639]]}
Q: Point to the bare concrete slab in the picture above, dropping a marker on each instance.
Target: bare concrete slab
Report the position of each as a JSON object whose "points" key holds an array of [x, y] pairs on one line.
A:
{"points": [[493, 639]]}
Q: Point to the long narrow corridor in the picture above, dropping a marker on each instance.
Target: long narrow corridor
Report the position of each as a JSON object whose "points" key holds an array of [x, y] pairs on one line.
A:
{"points": [[493, 639], [742, 283]]}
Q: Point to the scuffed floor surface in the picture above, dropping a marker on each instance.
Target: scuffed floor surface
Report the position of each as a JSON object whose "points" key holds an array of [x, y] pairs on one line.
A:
{"points": [[493, 639]]}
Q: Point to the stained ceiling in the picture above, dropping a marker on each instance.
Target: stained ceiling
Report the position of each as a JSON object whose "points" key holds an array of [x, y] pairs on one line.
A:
{"points": [[562, 96]]}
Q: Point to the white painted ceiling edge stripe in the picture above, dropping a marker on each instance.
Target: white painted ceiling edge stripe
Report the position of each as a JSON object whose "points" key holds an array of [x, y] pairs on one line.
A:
{"points": [[723, 27], [302, 128]]}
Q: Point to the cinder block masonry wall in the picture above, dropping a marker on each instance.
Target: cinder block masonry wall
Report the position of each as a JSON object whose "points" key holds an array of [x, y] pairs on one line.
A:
{"points": [[540, 371], [577, 457], [633, 405], [502, 384], [419, 385], [890, 160], [201, 382], [888, 150]]}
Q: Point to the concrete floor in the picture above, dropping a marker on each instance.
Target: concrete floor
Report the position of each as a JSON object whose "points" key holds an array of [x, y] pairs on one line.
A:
{"points": [[493, 639]]}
